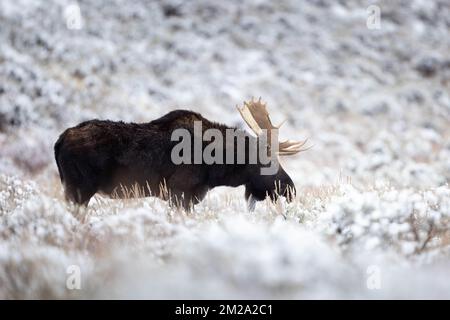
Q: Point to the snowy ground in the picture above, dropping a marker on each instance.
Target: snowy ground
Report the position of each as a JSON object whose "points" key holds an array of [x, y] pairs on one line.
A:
{"points": [[372, 216]]}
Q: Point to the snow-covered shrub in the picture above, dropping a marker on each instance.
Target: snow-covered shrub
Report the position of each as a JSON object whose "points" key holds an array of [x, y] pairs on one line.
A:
{"points": [[30, 151], [372, 192], [22, 264], [28, 96], [13, 193], [407, 220]]}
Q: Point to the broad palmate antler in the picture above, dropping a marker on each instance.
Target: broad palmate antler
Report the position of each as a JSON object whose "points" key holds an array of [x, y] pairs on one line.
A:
{"points": [[255, 114]]}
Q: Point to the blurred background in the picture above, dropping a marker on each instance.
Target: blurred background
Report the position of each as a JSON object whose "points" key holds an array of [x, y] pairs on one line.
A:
{"points": [[374, 102], [368, 82]]}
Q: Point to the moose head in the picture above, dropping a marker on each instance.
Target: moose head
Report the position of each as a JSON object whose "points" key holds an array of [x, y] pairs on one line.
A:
{"points": [[279, 183]]}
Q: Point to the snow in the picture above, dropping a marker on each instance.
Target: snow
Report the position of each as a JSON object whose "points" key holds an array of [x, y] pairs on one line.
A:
{"points": [[373, 199]]}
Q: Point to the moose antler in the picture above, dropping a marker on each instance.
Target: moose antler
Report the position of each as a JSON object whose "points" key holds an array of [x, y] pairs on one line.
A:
{"points": [[255, 114]]}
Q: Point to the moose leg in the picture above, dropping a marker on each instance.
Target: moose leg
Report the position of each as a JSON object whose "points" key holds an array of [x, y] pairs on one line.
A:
{"points": [[187, 200], [199, 193], [180, 199], [81, 195], [186, 187], [79, 183], [251, 201]]}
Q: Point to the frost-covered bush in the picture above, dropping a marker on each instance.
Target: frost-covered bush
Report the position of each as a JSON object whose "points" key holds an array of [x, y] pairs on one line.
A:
{"points": [[372, 192], [13, 193], [312, 248], [28, 150], [40, 220], [409, 221], [28, 95], [23, 263]]}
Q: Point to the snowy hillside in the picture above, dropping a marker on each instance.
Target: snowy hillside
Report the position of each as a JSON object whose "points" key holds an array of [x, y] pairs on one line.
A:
{"points": [[372, 216]]}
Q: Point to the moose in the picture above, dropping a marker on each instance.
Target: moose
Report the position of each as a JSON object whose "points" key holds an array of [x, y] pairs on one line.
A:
{"points": [[107, 157]]}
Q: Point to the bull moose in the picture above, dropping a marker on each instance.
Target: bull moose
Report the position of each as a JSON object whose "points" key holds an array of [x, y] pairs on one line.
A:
{"points": [[112, 157]]}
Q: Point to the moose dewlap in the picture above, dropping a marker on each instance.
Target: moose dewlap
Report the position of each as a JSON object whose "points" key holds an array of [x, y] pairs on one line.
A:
{"points": [[178, 157]]}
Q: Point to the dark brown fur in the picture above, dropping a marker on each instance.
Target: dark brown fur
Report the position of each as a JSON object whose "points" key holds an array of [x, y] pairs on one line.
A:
{"points": [[109, 157]]}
